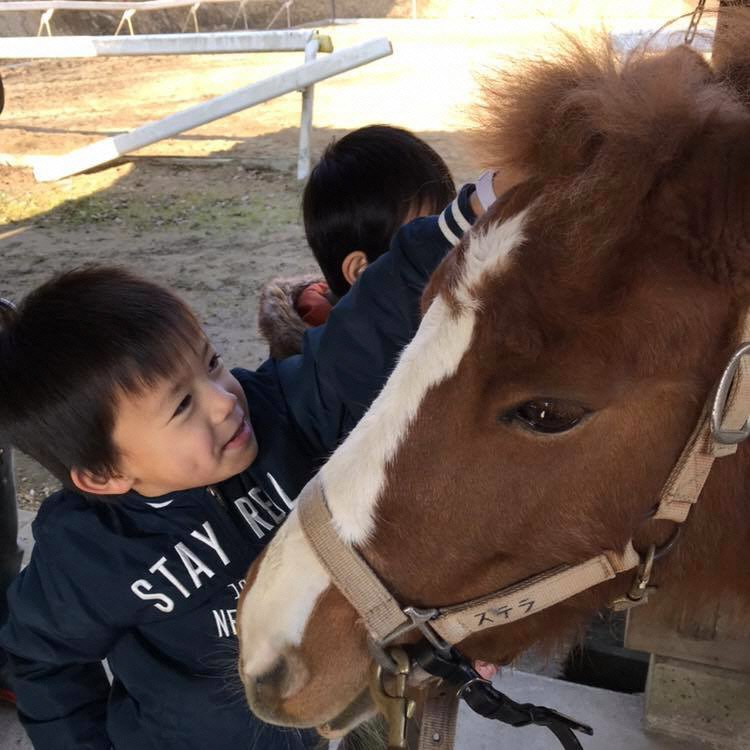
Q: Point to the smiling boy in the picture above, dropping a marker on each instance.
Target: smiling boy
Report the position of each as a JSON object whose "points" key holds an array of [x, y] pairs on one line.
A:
{"points": [[181, 433], [109, 382]]}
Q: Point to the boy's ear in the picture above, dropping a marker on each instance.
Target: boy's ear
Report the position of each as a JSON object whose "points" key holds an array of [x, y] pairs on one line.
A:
{"points": [[98, 484], [353, 265]]}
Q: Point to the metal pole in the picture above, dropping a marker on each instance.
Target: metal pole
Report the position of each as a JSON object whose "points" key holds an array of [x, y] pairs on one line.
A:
{"points": [[305, 125]]}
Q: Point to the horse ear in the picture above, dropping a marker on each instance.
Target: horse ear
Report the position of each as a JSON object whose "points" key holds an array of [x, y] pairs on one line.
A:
{"points": [[731, 50], [705, 209], [727, 239], [529, 122]]}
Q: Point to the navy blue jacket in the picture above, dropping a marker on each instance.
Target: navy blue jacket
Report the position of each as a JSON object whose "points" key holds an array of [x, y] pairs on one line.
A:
{"points": [[151, 584]]}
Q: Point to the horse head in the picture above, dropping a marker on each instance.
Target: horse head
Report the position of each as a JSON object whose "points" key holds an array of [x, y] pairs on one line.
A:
{"points": [[568, 346]]}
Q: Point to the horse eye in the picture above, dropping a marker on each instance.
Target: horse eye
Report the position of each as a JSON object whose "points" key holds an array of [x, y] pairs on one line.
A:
{"points": [[547, 415]]}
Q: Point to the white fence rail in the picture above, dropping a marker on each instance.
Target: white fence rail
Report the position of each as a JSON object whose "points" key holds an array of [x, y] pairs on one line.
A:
{"points": [[220, 42], [300, 78]]}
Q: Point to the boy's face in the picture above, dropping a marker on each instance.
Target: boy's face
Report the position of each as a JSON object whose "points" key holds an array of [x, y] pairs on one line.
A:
{"points": [[189, 431]]}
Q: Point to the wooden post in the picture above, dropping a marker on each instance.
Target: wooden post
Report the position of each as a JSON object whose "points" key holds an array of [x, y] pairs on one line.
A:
{"points": [[723, 29], [699, 674]]}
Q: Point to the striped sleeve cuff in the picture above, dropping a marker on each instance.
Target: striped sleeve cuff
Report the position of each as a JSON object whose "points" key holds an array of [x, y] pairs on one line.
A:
{"points": [[458, 216]]}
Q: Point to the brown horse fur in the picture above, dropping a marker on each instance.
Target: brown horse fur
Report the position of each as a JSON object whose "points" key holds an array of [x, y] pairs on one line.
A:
{"points": [[625, 297]]}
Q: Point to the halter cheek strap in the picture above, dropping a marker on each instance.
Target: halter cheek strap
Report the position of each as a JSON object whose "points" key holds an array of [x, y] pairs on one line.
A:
{"points": [[386, 621]]}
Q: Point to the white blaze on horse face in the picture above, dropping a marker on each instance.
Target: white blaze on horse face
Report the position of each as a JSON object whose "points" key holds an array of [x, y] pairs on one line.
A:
{"points": [[354, 476], [276, 608], [290, 579]]}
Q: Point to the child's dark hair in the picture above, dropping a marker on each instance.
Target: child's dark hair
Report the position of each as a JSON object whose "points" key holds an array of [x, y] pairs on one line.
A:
{"points": [[71, 349], [363, 189]]}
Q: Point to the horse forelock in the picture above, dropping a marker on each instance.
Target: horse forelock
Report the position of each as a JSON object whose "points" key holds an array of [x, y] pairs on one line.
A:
{"points": [[600, 133]]}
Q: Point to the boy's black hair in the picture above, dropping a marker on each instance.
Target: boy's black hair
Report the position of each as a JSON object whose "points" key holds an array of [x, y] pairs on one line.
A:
{"points": [[73, 347], [363, 189]]}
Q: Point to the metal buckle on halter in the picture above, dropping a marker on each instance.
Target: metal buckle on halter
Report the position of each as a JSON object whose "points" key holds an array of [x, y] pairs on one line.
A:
{"points": [[728, 437], [640, 589], [388, 690], [419, 620]]}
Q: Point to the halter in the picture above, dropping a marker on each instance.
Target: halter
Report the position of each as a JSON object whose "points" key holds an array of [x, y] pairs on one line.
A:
{"points": [[723, 424]]}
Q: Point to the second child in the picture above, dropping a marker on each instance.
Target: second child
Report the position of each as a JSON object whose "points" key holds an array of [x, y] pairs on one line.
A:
{"points": [[366, 186]]}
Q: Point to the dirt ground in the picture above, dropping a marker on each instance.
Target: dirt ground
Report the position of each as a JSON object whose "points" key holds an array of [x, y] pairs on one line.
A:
{"points": [[214, 213]]}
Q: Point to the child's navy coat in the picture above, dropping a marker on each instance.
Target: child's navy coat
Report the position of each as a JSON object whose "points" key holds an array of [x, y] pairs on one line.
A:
{"points": [[151, 584]]}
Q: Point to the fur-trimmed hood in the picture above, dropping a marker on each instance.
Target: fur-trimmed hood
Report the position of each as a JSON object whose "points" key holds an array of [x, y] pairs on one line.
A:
{"points": [[279, 319]]}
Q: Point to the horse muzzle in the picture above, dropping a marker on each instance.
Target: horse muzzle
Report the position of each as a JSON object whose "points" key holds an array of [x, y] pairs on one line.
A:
{"points": [[291, 693], [268, 691]]}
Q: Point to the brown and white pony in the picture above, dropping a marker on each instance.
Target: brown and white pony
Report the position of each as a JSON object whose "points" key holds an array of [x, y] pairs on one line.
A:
{"points": [[567, 348]]}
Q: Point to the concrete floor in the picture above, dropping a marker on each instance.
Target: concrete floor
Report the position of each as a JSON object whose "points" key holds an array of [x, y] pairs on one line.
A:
{"points": [[616, 717]]}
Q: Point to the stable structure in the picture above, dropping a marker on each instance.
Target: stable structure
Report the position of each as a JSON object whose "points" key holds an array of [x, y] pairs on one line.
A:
{"points": [[129, 9], [301, 78], [698, 684]]}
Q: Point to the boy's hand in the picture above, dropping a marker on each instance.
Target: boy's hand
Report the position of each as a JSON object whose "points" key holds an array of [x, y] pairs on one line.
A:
{"points": [[485, 669]]}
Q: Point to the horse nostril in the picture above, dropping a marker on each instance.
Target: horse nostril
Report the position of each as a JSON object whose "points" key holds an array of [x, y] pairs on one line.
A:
{"points": [[282, 680], [273, 678]]}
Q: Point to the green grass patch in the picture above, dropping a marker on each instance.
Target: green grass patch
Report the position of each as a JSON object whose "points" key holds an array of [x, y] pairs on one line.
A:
{"points": [[190, 211]]}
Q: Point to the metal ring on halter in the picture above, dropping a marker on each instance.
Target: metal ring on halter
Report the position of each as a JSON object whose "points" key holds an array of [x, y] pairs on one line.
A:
{"points": [[381, 657], [7, 304], [728, 437], [662, 549]]}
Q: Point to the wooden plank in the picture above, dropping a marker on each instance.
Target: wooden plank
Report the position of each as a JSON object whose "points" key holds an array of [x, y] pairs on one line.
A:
{"points": [[306, 118], [691, 702], [716, 636], [660, 40]]}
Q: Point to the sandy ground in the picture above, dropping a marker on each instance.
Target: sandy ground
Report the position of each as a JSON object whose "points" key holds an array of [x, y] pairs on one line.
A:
{"points": [[214, 213], [219, 226]]}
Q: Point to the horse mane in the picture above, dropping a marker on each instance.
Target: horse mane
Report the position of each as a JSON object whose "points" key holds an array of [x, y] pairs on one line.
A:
{"points": [[593, 127]]}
